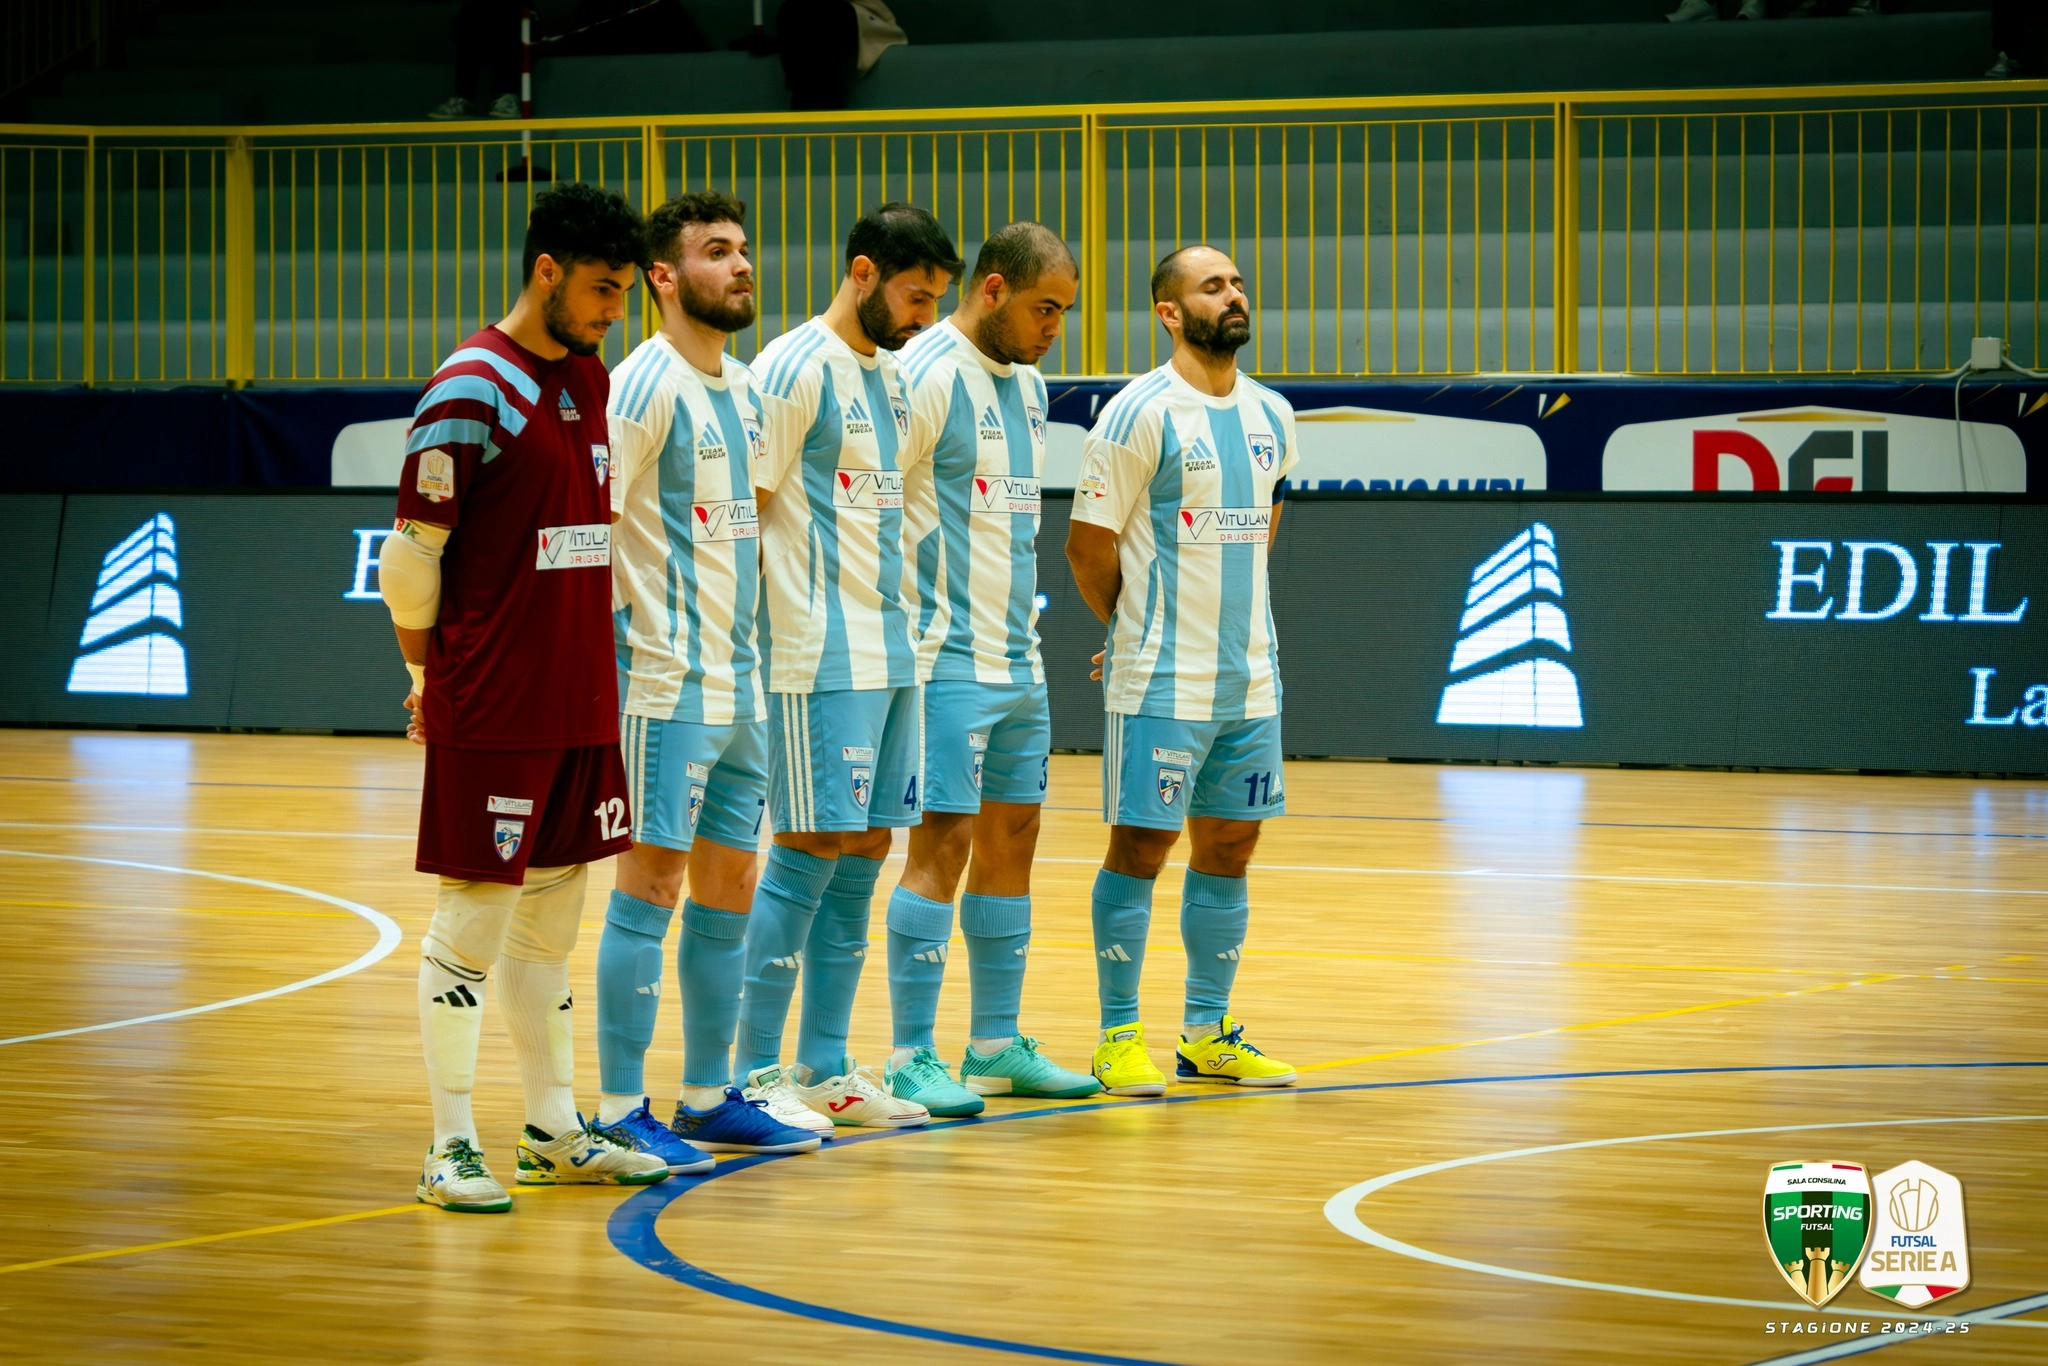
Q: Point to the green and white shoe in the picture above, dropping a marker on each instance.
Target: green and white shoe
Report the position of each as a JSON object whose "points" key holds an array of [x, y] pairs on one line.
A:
{"points": [[585, 1157], [455, 1178], [1021, 1070], [925, 1080]]}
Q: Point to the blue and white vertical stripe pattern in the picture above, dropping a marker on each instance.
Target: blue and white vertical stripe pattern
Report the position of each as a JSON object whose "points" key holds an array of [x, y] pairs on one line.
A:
{"points": [[793, 748], [971, 510], [834, 426], [1186, 481], [685, 550]]}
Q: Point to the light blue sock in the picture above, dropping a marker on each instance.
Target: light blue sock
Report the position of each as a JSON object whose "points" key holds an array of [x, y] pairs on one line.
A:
{"points": [[998, 930], [837, 948], [628, 989], [785, 903], [711, 964], [918, 930], [1213, 914], [1122, 911]]}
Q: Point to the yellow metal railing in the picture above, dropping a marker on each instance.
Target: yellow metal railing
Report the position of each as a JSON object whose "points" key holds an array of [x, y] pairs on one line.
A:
{"points": [[1839, 230]]}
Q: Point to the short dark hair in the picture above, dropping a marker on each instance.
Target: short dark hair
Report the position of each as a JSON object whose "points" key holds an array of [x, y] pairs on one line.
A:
{"points": [[1166, 276], [1021, 253], [899, 237], [665, 225], [574, 223]]}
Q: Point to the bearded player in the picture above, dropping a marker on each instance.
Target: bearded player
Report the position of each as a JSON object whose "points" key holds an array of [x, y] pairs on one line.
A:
{"points": [[1174, 515], [977, 423], [845, 719], [498, 581], [686, 562]]}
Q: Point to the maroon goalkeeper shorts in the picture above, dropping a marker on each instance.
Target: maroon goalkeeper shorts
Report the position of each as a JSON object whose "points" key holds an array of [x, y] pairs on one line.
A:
{"points": [[486, 814]]}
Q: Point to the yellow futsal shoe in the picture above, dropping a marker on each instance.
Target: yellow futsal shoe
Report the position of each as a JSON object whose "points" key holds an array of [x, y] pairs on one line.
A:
{"points": [[1223, 1055], [1124, 1067]]}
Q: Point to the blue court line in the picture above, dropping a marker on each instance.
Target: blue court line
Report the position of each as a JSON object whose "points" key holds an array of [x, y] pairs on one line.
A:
{"points": [[1877, 1342], [633, 1230]]}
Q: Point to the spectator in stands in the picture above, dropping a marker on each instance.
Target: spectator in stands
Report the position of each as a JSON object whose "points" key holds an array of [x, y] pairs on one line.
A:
{"points": [[487, 61], [2020, 34]]}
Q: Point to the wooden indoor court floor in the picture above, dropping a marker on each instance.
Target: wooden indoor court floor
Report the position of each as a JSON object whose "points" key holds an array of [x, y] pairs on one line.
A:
{"points": [[1560, 1022]]}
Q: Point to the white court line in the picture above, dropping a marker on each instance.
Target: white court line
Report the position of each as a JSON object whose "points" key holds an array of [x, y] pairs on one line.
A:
{"points": [[1501, 874], [388, 937], [1342, 1211]]}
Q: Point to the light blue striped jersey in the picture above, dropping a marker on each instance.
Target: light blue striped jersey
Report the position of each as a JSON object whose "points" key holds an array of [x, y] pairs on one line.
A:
{"points": [[1186, 481], [834, 423], [970, 510], [686, 564]]}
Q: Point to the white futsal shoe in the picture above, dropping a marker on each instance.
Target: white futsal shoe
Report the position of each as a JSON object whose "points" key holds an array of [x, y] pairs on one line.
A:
{"points": [[585, 1156], [455, 1178], [773, 1088], [856, 1096]]}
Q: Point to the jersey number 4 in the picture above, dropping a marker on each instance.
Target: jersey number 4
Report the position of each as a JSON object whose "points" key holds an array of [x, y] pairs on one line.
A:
{"points": [[611, 819]]}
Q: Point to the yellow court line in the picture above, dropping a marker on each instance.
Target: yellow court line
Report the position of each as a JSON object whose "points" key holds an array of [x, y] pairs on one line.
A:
{"points": [[214, 1238], [1455, 958], [1603, 1024]]}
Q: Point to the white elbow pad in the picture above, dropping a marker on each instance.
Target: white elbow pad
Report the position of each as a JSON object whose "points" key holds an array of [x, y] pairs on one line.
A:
{"points": [[409, 573]]}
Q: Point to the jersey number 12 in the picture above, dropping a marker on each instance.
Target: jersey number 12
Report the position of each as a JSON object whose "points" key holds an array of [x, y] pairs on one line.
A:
{"points": [[611, 819]]}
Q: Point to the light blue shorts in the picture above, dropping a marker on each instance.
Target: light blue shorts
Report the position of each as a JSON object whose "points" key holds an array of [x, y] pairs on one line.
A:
{"points": [[850, 760], [1156, 772], [984, 741], [688, 779]]}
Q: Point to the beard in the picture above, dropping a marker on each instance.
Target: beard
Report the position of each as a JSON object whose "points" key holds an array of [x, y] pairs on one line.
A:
{"points": [[1221, 337], [880, 324], [554, 315], [727, 311], [997, 340]]}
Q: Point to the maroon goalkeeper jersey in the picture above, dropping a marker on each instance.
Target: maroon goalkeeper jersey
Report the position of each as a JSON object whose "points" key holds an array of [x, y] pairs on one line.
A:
{"points": [[511, 451]]}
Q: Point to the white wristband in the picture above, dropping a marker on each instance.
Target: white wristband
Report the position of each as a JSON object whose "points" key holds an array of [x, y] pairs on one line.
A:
{"points": [[419, 677]]}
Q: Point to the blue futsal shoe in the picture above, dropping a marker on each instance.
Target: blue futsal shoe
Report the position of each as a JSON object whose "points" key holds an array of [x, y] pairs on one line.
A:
{"points": [[739, 1125], [643, 1133]]}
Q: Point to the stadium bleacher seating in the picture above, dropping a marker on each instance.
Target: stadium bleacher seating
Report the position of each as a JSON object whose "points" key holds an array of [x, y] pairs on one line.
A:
{"points": [[235, 61]]}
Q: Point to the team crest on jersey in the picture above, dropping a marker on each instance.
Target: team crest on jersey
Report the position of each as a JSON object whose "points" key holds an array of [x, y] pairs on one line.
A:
{"points": [[1199, 458], [900, 410], [858, 422], [756, 449], [863, 779], [601, 458], [436, 479], [507, 837], [696, 805], [990, 427], [569, 413], [1036, 417], [1171, 781], [1263, 448], [710, 443]]}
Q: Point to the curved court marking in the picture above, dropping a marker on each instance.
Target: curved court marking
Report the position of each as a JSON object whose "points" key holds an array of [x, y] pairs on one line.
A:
{"points": [[633, 1226], [1342, 1210], [388, 937]]}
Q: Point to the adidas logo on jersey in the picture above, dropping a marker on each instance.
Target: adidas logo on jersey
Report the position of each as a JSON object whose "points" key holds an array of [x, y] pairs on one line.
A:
{"points": [[127, 645], [990, 427], [1514, 606], [569, 413], [1199, 458], [710, 443], [858, 422]]}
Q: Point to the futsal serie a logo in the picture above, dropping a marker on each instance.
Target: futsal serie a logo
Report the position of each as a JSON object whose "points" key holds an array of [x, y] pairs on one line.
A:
{"points": [[1905, 1241]]}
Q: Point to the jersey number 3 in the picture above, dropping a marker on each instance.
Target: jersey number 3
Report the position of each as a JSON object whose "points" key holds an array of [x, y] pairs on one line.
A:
{"points": [[611, 819]]}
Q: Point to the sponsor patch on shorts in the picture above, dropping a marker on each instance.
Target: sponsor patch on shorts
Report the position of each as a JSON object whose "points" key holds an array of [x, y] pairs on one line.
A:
{"points": [[511, 806], [976, 740], [699, 773], [857, 754], [1173, 756]]}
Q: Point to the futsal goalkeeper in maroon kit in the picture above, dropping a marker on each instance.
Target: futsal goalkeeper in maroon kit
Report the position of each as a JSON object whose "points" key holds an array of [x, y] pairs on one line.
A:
{"points": [[498, 579]]}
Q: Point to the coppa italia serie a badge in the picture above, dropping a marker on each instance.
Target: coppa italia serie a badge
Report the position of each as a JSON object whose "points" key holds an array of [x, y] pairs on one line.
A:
{"points": [[1817, 1220], [1920, 1252]]}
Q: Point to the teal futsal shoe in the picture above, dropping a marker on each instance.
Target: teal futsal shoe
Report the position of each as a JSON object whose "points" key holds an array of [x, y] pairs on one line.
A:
{"points": [[925, 1080], [1021, 1070]]}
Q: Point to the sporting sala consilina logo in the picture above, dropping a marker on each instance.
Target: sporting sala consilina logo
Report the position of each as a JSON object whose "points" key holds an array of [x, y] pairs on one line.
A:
{"points": [[1906, 1241], [129, 643]]}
